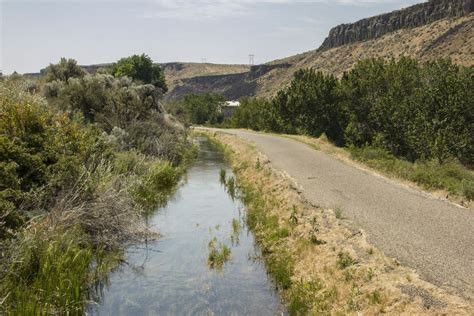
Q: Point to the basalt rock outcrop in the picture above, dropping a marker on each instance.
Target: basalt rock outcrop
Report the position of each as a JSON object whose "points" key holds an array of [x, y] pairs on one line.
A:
{"points": [[411, 17]]}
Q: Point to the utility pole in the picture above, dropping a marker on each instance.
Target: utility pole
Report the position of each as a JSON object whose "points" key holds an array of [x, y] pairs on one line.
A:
{"points": [[251, 59]]}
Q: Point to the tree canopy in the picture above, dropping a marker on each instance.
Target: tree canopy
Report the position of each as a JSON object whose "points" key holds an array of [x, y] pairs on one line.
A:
{"points": [[140, 68]]}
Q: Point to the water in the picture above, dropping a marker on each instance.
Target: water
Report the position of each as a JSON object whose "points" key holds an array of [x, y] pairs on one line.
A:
{"points": [[171, 276]]}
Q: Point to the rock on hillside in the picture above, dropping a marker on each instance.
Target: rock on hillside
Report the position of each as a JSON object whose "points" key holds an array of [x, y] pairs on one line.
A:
{"points": [[414, 16], [430, 30]]}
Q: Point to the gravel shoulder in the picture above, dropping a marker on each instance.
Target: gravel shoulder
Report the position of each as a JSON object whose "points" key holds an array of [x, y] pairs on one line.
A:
{"points": [[432, 236]]}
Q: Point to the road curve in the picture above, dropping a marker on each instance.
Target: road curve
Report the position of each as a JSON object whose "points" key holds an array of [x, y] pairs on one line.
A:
{"points": [[432, 236]]}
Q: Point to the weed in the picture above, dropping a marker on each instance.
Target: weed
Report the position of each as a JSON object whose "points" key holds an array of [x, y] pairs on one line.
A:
{"points": [[230, 182], [293, 216], [338, 212], [222, 176], [468, 189], [375, 297], [258, 165], [348, 275], [49, 273], [281, 268], [218, 255], [352, 304], [155, 186], [370, 274], [313, 234], [234, 237], [370, 251], [344, 260], [302, 297]]}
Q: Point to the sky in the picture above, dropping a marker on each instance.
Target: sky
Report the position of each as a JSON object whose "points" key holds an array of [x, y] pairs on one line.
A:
{"points": [[34, 33]]}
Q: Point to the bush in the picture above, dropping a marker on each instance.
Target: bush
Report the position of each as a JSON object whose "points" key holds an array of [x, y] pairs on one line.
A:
{"points": [[40, 148], [68, 188], [468, 189], [141, 69], [63, 71]]}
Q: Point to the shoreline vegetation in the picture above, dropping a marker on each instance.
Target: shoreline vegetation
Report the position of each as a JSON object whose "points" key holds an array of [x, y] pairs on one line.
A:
{"points": [[84, 159], [320, 265]]}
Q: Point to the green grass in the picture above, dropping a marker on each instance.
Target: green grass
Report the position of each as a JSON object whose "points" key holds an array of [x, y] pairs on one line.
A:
{"points": [[311, 298], [51, 273], [222, 176], [375, 297], [218, 254], [344, 260], [156, 184], [450, 176], [231, 187]]}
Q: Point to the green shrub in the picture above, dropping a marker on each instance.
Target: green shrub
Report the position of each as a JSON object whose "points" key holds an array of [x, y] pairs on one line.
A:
{"points": [[303, 296], [468, 189], [142, 69], [344, 260]]}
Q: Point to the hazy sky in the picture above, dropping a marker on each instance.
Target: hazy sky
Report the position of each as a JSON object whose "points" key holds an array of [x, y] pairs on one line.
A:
{"points": [[37, 32]]}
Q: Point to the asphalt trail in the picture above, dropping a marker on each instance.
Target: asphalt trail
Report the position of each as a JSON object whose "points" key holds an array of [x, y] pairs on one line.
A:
{"points": [[432, 236]]}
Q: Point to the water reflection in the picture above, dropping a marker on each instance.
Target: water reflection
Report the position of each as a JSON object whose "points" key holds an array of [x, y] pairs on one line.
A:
{"points": [[171, 276]]}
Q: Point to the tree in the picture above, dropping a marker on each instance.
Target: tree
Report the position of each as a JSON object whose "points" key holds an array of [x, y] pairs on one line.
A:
{"points": [[310, 105], [203, 108], [62, 71], [140, 68]]}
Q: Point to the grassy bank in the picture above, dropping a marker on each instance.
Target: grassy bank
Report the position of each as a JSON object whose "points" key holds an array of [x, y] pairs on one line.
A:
{"points": [[74, 187], [320, 265]]}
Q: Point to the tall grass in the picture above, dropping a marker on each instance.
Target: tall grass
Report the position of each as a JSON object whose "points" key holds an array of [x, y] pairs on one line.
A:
{"points": [[154, 187], [50, 273], [450, 176]]}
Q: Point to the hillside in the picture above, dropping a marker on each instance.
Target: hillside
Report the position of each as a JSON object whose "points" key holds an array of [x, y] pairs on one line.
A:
{"points": [[435, 29], [176, 72]]}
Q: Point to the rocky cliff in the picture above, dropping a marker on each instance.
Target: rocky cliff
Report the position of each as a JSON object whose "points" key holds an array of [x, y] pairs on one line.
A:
{"points": [[411, 17]]}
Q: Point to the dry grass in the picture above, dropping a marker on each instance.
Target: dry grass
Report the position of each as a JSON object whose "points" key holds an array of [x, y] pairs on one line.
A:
{"points": [[174, 76], [342, 154], [341, 273]]}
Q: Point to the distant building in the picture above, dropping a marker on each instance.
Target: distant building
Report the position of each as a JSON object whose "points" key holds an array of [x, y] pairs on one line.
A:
{"points": [[229, 107]]}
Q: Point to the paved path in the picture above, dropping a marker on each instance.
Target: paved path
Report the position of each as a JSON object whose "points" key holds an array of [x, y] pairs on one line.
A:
{"points": [[434, 237]]}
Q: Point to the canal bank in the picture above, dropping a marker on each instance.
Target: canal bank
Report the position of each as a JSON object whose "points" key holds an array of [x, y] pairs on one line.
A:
{"points": [[322, 262], [172, 275]]}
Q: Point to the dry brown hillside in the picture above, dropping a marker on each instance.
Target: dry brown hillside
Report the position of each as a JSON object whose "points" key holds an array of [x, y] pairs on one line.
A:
{"points": [[448, 38], [176, 72], [426, 31]]}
